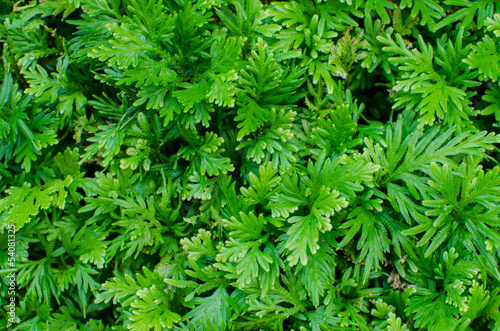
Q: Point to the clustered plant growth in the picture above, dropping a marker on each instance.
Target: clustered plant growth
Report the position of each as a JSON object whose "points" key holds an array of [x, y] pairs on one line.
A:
{"points": [[251, 165]]}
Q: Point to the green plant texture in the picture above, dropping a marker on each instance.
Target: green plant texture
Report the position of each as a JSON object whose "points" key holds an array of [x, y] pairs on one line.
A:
{"points": [[250, 165]]}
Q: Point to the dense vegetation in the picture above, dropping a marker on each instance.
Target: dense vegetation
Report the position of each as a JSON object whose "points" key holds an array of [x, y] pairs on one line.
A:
{"points": [[250, 165]]}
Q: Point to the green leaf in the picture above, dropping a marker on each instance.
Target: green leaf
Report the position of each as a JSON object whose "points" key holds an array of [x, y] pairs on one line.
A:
{"points": [[215, 309], [485, 58], [24, 202], [148, 314]]}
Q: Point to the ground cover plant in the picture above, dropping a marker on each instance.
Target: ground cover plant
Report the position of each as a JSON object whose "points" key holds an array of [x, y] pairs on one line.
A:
{"points": [[250, 165]]}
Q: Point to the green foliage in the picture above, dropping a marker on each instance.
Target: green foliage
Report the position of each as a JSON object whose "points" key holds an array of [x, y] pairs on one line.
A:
{"points": [[436, 94], [250, 165], [145, 300], [25, 129], [484, 56]]}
